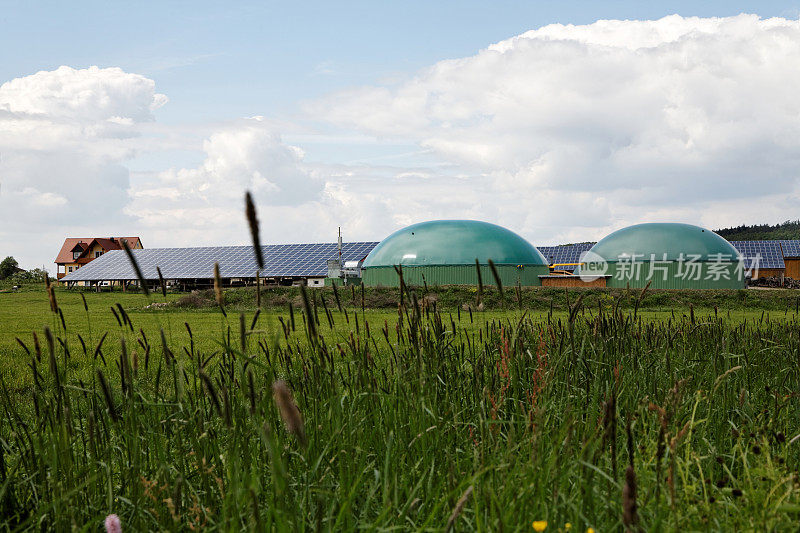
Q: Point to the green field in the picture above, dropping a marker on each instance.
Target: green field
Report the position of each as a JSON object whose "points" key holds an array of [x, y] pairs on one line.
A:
{"points": [[603, 409]]}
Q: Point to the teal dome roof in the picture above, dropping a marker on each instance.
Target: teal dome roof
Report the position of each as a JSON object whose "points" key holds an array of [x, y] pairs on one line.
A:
{"points": [[453, 242], [660, 238]]}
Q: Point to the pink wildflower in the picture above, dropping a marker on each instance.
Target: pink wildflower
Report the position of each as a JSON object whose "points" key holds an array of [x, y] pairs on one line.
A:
{"points": [[113, 525]]}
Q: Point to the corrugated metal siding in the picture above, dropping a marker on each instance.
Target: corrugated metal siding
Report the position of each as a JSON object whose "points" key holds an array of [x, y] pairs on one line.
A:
{"points": [[673, 281], [454, 275], [571, 281]]}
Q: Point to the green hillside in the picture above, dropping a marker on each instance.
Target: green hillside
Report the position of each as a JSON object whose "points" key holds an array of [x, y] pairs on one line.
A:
{"points": [[762, 232]]}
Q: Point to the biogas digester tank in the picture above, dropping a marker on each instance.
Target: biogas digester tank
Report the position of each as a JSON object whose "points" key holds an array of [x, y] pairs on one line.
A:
{"points": [[443, 252], [668, 256]]}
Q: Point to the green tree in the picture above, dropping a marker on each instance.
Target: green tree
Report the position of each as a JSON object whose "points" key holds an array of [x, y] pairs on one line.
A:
{"points": [[8, 267], [35, 275]]}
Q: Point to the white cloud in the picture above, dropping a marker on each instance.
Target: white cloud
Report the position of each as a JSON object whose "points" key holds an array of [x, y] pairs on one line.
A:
{"points": [[606, 124], [82, 95], [64, 138], [205, 204], [42, 199]]}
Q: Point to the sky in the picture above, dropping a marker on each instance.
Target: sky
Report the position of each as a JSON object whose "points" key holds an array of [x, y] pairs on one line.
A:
{"points": [[559, 120]]}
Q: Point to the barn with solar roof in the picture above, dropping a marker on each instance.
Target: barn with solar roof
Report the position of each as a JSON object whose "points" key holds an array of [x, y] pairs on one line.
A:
{"points": [[185, 268]]}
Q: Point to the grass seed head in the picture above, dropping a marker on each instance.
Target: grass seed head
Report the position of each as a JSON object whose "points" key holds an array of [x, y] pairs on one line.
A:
{"points": [[480, 281], [136, 268], [161, 282], [251, 390], [51, 295], [252, 221], [212, 392], [51, 347], [258, 290], [289, 411], [218, 294], [462, 501], [109, 398], [630, 514], [497, 280], [37, 347]]}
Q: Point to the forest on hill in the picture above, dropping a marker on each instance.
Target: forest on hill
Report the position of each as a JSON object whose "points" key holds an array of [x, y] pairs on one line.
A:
{"points": [[762, 232]]}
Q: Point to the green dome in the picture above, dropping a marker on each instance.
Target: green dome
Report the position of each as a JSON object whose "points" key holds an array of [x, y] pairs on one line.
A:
{"points": [[453, 242], [660, 238]]}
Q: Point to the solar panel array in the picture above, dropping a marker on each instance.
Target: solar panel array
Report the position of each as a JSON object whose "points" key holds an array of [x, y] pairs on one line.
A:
{"points": [[791, 248], [766, 253], [280, 260], [565, 253], [770, 254], [310, 260]]}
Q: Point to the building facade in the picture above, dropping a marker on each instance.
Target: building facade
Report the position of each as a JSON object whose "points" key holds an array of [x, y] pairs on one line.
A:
{"points": [[77, 252]]}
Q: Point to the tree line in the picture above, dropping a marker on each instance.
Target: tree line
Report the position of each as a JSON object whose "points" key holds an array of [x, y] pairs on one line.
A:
{"points": [[762, 232]]}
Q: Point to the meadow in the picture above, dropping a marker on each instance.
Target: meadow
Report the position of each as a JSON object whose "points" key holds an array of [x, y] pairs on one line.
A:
{"points": [[393, 410]]}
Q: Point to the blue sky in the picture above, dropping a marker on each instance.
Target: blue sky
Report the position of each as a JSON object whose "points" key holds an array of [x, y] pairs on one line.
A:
{"points": [[339, 87]]}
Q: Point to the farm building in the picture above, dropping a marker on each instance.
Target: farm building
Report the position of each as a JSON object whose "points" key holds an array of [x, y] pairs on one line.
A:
{"points": [[563, 261], [763, 259], [444, 252], [668, 256], [790, 250], [778, 259], [77, 252], [564, 258], [284, 264]]}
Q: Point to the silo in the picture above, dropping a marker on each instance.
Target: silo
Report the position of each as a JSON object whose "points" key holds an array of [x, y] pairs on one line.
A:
{"points": [[443, 252], [668, 255]]}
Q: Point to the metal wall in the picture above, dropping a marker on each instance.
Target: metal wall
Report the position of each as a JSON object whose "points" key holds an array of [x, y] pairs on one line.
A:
{"points": [[792, 268], [572, 281], [674, 281], [526, 275]]}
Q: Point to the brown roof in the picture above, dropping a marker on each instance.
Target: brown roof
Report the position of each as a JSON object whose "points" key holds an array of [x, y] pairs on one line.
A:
{"points": [[107, 243]]}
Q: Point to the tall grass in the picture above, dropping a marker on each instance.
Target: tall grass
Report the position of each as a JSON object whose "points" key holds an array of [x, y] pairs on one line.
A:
{"points": [[434, 420]]}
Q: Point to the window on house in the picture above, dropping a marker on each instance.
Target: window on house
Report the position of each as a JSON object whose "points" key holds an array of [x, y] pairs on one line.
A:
{"points": [[98, 254], [76, 255], [70, 269]]}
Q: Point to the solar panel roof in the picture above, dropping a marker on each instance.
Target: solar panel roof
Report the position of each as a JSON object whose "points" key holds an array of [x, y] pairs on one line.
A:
{"points": [[565, 253], [766, 253], [791, 248], [280, 260]]}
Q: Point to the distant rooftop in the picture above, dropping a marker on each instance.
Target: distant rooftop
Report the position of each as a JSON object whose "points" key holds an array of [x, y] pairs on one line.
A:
{"points": [[108, 244]]}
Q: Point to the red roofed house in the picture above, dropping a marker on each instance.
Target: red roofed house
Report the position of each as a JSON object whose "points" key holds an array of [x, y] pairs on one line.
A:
{"points": [[76, 252]]}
